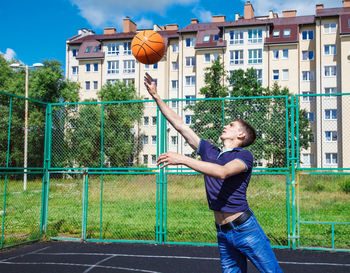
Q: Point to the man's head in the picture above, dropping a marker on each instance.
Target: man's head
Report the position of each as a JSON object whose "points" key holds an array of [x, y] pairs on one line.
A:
{"points": [[240, 132]]}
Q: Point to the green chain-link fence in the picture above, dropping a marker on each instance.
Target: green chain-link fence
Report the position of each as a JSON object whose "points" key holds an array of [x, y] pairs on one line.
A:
{"points": [[92, 171]]}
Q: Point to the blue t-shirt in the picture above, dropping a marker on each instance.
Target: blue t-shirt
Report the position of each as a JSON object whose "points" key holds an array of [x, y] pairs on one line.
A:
{"points": [[228, 195]]}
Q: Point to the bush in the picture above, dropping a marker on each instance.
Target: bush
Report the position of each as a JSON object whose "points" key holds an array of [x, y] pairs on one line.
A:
{"points": [[345, 186], [314, 186]]}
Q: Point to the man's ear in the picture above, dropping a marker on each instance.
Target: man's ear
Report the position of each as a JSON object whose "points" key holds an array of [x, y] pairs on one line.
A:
{"points": [[241, 135]]}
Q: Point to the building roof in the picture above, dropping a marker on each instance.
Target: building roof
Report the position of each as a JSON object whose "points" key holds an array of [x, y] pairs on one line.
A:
{"points": [[94, 51], [211, 43], [292, 38], [344, 23], [331, 12]]}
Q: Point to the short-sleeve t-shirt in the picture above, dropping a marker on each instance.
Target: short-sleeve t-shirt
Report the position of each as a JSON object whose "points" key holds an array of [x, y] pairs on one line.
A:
{"points": [[226, 195]]}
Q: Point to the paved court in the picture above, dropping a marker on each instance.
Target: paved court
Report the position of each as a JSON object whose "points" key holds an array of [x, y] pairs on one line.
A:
{"points": [[122, 258]]}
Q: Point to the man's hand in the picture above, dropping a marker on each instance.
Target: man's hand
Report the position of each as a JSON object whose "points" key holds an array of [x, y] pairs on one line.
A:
{"points": [[170, 158], [150, 85]]}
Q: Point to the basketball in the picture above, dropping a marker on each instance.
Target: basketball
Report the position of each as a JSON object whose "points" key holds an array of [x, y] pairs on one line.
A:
{"points": [[148, 47]]}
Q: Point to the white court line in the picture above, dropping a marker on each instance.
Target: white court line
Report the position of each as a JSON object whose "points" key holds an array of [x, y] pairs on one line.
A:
{"points": [[86, 265], [29, 253], [96, 264], [181, 257]]}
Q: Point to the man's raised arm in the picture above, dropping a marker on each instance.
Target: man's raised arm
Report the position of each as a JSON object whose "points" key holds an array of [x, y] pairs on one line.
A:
{"points": [[170, 115]]}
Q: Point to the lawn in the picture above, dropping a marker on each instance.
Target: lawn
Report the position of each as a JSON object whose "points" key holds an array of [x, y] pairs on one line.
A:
{"points": [[127, 208]]}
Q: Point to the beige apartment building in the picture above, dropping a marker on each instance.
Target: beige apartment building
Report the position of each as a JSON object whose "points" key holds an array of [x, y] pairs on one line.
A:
{"points": [[307, 54]]}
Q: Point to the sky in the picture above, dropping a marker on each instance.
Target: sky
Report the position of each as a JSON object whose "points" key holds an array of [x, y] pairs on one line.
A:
{"points": [[37, 30]]}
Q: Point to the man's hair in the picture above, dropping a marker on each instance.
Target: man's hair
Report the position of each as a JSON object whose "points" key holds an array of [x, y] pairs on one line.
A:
{"points": [[250, 133]]}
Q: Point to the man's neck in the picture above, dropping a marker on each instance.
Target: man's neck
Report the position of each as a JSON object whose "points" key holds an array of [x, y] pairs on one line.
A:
{"points": [[230, 144]]}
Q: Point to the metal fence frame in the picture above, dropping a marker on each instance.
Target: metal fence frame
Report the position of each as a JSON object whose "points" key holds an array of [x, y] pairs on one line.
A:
{"points": [[292, 172]]}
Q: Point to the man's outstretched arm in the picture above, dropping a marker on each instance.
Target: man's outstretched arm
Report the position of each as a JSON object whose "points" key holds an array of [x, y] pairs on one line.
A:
{"points": [[170, 115]]}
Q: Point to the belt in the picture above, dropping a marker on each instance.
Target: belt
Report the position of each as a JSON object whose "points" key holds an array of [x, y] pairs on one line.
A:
{"points": [[238, 221]]}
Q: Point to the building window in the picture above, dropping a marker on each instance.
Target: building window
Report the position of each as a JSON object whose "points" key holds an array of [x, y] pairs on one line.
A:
{"points": [[190, 61], [331, 158], [216, 56], [174, 84], [154, 140], [207, 57], [75, 52], [331, 114], [175, 66], [255, 56], [174, 104], [236, 37], [75, 70], [146, 121], [174, 140], [275, 54], [308, 159], [88, 67], [308, 75], [190, 80], [155, 66], [286, 33], [276, 33], [112, 67], [113, 49], [330, 28], [129, 66], [285, 53], [275, 74], [310, 116], [308, 35], [154, 159], [154, 120], [216, 37], [308, 55], [95, 67], [285, 74], [146, 66], [190, 102], [145, 159], [348, 23], [96, 49], [175, 47], [87, 85], [330, 50], [330, 71], [236, 57], [331, 136], [190, 42], [127, 48], [129, 82], [88, 49], [330, 90], [188, 119], [206, 38], [259, 75], [95, 85], [254, 36], [308, 98], [144, 140]]}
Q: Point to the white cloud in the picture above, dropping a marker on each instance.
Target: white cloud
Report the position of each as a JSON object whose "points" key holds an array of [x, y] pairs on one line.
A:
{"points": [[9, 55], [144, 23], [203, 15], [262, 7], [100, 13]]}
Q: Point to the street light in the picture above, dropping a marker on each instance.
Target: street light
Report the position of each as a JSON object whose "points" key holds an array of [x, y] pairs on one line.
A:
{"points": [[17, 65]]}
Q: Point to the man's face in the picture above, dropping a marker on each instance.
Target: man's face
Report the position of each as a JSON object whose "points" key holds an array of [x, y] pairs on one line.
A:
{"points": [[233, 130]]}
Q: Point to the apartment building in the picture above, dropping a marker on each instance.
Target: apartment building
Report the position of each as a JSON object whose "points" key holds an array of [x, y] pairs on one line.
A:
{"points": [[307, 54]]}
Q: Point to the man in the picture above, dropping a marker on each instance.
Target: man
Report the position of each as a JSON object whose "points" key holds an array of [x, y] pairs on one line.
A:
{"points": [[227, 174]]}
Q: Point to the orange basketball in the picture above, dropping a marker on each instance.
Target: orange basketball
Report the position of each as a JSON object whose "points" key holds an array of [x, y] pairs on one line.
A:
{"points": [[148, 47]]}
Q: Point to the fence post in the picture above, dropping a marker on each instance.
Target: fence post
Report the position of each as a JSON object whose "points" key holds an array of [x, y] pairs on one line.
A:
{"points": [[292, 163], [46, 176], [85, 204]]}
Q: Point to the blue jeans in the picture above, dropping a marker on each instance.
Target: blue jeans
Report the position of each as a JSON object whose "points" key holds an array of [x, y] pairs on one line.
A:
{"points": [[246, 240]]}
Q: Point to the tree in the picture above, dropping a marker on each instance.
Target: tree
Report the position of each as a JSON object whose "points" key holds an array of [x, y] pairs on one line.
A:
{"points": [[208, 115], [46, 84], [120, 144]]}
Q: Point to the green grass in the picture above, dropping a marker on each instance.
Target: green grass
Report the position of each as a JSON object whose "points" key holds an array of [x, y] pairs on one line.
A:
{"points": [[129, 209]]}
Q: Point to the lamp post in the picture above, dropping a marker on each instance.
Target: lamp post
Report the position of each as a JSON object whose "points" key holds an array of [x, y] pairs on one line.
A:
{"points": [[25, 163]]}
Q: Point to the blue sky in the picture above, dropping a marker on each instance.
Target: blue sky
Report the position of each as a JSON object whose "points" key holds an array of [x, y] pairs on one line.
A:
{"points": [[33, 31]]}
